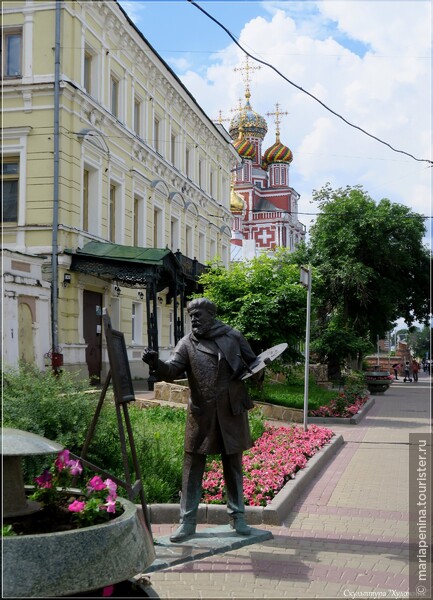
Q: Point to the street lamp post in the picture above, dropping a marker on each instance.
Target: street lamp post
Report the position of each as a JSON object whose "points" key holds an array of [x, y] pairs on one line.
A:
{"points": [[306, 282]]}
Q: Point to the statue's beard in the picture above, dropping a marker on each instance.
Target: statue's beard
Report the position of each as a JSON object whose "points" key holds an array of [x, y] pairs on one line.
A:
{"points": [[200, 329]]}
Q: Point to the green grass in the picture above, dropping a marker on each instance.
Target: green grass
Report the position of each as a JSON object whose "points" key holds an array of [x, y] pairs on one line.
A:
{"points": [[292, 395]]}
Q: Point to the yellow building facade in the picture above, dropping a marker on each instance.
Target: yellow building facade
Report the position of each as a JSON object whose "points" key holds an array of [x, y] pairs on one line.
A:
{"points": [[105, 155]]}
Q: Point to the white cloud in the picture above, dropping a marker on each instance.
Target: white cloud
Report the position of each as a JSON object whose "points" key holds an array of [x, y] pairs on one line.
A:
{"points": [[179, 64]]}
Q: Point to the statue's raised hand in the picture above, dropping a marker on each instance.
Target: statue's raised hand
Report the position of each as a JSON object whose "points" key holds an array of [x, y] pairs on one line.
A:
{"points": [[150, 357]]}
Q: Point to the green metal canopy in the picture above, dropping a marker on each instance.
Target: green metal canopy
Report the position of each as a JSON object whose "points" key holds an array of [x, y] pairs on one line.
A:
{"points": [[134, 266], [154, 256]]}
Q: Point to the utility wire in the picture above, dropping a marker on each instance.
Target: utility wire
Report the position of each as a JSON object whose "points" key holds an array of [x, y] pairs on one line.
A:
{"points": [[301, 89]]}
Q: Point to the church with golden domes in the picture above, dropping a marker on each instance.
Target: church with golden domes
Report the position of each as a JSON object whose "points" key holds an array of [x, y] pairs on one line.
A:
{"points": [[263, 204]]}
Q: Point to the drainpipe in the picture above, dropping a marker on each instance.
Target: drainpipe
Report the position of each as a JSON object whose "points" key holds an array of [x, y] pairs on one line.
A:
{"points": [[54, 259]]}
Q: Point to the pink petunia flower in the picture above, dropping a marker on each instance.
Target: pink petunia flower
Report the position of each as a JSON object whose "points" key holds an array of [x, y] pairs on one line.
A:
{"points": [[76, 506], [110, 505], [45, 479], [62, 460], [75, 467], [95, 484], [111, 487]]}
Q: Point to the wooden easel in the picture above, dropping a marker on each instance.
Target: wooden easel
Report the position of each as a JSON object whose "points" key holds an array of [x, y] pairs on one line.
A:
{"points": [[120, 374]]}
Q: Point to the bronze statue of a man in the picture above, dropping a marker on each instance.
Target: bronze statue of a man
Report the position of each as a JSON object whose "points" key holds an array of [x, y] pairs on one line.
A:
{"points": [[214, 357]]}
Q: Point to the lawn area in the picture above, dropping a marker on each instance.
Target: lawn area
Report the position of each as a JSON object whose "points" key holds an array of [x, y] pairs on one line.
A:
{"points": [[342, 402], [291, 395]]}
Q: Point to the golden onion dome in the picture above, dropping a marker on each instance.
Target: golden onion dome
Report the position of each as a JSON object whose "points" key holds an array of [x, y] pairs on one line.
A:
{"points": [[237, 203]]}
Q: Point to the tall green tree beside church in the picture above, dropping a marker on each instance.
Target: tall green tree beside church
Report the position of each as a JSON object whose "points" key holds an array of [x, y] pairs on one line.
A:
{"points": [[371, 268]]}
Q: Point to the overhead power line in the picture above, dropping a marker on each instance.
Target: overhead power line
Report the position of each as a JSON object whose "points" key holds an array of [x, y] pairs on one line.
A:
{"points": [[233, 37]]}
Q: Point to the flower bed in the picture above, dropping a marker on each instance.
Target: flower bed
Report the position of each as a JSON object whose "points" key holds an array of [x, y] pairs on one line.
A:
{"points": [[274, 459], [341, 407]]}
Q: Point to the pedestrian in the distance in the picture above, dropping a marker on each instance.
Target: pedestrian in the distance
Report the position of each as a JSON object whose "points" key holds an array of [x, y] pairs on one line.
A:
{"points": [[396, 367], [407, 371], [415, 370]]}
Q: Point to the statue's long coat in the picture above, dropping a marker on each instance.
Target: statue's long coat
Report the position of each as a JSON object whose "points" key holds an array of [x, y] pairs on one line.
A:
{"points": [[217, 414]]}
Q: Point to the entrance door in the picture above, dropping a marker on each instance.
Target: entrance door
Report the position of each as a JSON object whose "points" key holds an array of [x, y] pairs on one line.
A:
{"points": [[92, 330]]}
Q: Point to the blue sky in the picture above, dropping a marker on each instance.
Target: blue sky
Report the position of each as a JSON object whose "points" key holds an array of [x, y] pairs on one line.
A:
{"points": [[368, 60], [178, 30]]}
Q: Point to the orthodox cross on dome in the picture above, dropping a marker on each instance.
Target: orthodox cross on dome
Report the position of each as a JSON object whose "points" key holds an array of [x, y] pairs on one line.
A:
{"points": [[277, 114], [245, 69], [239, 108], [220, 119]]}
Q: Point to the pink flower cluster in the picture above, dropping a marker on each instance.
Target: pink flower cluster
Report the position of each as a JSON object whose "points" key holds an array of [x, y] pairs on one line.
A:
{"points": [[107, 498], [274, 459], [336, 409], [64, 466], [100, 496]]}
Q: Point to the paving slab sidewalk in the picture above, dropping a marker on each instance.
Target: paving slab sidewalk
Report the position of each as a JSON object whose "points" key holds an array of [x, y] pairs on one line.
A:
{"points": [[346, 535]]}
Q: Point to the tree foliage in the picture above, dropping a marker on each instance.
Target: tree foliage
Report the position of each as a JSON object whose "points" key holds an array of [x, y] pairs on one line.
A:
{"points": [[262, 298], [419, 340], [372, 268]]}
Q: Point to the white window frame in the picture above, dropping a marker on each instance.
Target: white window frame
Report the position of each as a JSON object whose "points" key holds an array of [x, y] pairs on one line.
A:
{"points": [[189, 241], [119, 212], [12, 148], [7, 33], [138, 111], [12, 159], [156, 133], [202, 246], [115, 100], [188, 162], [94, 187], [158, 227], [136, 323], [174, 233]]}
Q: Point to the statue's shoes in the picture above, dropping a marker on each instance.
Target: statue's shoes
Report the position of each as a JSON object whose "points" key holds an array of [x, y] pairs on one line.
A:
{"points": [[183, 532], [241, 527]]}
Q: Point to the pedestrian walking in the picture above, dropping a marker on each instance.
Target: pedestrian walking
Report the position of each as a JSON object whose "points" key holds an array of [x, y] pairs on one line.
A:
{"points": [[407, 376], [395, 368], [415, 370]]}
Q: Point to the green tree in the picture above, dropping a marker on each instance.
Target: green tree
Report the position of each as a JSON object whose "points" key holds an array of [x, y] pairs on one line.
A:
{"points": [[262, 298], [371, 268], [419, 341]]}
